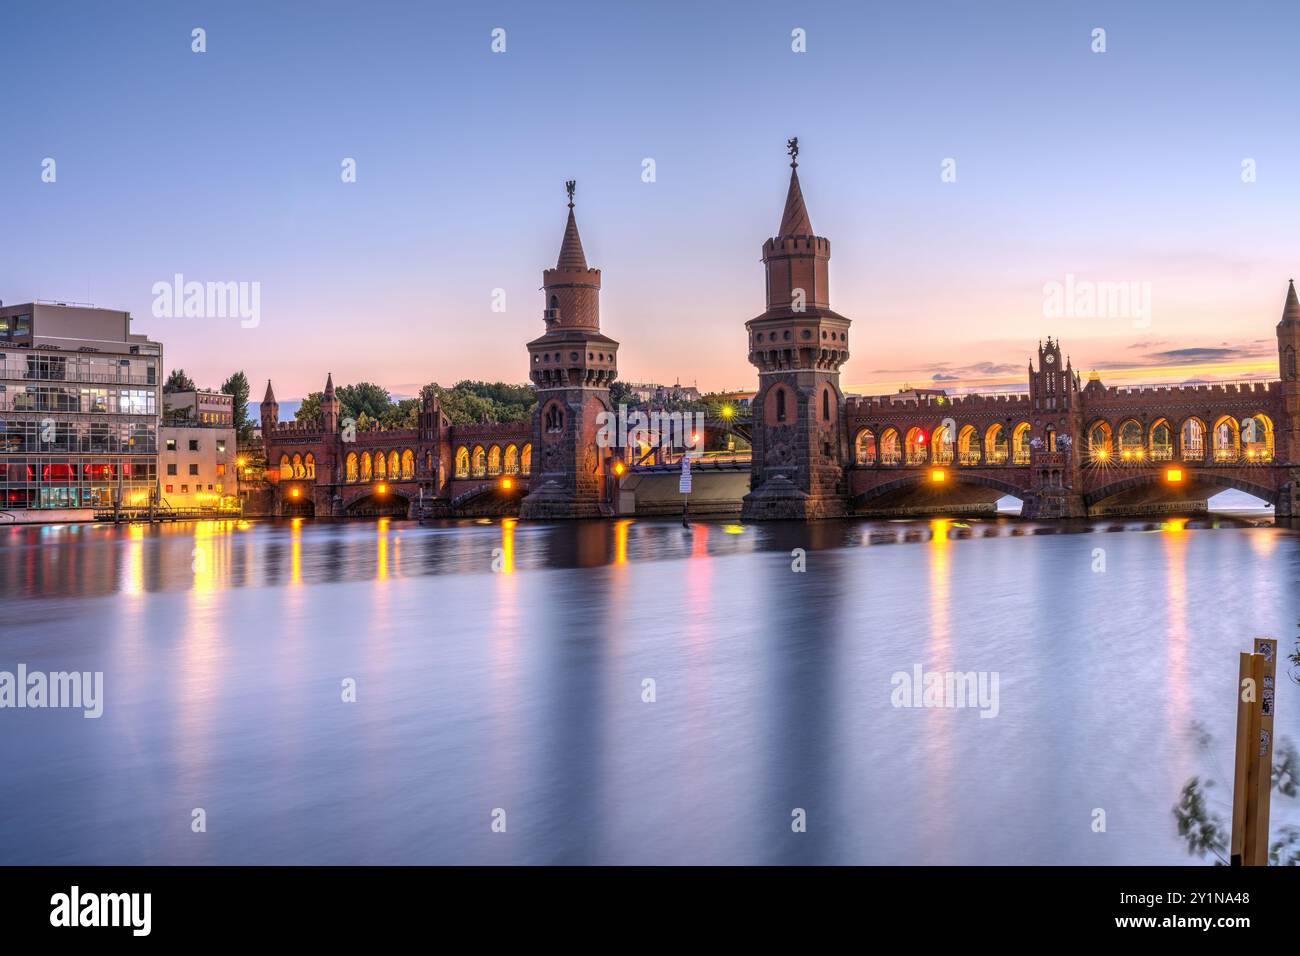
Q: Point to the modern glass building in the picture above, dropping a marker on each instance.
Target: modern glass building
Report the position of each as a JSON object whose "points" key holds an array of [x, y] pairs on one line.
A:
{"points": [[79, 412]]}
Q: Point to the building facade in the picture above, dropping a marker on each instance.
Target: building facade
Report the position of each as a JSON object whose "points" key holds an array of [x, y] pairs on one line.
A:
{"points": [[79, 412], [199, 407], [197, 466]]}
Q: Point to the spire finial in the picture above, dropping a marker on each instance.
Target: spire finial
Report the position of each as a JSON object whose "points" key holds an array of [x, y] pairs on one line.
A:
{"points": [[570, 186], [792, 147]]}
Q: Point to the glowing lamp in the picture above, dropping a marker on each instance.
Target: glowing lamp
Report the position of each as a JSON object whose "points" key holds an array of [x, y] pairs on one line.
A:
{"points": [[619, 468], [1173, 475], [1102, 454], [241, 461], [727, 411], [1139, 453], [380, 489], [507, 483], [294, 493], [938, 475], [920, 438]]}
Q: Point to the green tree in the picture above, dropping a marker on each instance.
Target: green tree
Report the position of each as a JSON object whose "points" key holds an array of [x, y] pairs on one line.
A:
{"points": [[309, 410], [178, 381], [366, 397], [237, 388]]}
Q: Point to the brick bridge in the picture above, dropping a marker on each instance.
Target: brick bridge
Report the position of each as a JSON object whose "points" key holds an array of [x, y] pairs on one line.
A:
{"points": [[1065, 447]]}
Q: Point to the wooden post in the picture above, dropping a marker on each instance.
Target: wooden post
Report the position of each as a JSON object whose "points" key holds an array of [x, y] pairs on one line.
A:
{"points": [[1242, 769], [1253, 774]]}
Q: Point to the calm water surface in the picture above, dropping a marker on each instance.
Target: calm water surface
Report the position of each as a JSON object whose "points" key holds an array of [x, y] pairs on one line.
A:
{"points": [[224, 648]]}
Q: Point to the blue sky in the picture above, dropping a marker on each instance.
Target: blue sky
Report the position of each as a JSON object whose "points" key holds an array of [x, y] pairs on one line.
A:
{"points": [[224, 166]]}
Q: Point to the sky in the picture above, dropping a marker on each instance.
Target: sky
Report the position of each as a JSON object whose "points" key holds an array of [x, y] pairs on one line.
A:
{"points": [[960, 156]]}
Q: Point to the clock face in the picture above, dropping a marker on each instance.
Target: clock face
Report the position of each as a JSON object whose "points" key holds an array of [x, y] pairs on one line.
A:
{"points": [[1049, 358]]}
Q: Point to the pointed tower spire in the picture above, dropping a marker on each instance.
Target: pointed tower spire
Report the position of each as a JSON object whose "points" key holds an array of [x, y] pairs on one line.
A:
{"points": [[329, 384], [571, 255], [269, 397], [794, 220], [1291, 311]]}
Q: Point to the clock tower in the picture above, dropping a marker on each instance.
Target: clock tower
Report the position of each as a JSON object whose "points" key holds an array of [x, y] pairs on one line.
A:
{"points": [[1056, 428]]}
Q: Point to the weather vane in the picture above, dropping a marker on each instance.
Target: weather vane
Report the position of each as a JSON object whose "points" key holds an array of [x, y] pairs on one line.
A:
{"points": [[571, 185], [792, 147]]}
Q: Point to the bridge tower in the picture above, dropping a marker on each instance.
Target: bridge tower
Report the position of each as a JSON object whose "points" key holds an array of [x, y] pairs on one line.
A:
{"points": [[270, 411], [1056, 481], [329, 407], [1286, 439], [798, 345], [571, 366]]}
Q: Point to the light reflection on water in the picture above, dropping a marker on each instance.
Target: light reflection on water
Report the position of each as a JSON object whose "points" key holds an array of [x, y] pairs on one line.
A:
{"points": [[224, 646]]}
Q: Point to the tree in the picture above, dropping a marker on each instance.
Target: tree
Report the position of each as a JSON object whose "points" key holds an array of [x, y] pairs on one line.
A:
{"points": [[366, 397], [237, 388], [309, 410], [469, 402], [178, 381]]}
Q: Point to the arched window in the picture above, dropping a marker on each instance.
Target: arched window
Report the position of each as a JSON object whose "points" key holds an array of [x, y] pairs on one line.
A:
{"points": [[1050, 435], [408, 464], [428, 462], [996, 450], [916, 447], [286, 467], [526, 460], [381, 466], [1193, 437], [394, 464], [941, 445], [554, 418], [1162, 441], [462, 462], [968, 445], [366, 472], [1257, 438], [350, 467], [1131, 445], [512, 460], [298, 470], [309, 463], [891, 450], [826, 402], [1227, 439], [1020, 444], [494, 460], [1100, 442], [780, 404], [479, 462], [865, 447]]}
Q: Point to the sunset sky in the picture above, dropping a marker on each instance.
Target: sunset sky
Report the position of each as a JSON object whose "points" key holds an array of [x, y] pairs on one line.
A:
{"points": [[1117, 167]]}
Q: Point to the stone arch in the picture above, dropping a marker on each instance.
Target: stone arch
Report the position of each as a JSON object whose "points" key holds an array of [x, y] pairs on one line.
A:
{"points": [[942, 444], [1160, 440], [968, 445], [511, 463], [1020, 444], [526, 459], [1132, 440], [350, 467], [1101, 441], [381, 466], [1144, 478], [864, 447], [552, 418], [958, 476], [394, 464], [915, 447], [462, 462], [367, 466], [309, 465], [779, 405], [1257, 438], [1226, 435], [997, 450], [1191, 438], [408, 463], [891, 447], [478, 462], [494, 461], [286, 467]]}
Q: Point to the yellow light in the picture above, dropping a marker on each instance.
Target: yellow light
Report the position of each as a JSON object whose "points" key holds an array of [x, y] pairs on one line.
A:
{"points": [[1102, 454], [1174, 475], [727, 411], [241, 461], [507, 483], [295, 493], [938, 475], [1139, 454], [619, 468], [380, 489]]}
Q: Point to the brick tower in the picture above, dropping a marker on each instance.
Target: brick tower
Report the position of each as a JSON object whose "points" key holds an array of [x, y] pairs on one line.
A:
{"points": [[1287, 431], [798, 345], [571, 366], [1055, 477], [270, 411]]}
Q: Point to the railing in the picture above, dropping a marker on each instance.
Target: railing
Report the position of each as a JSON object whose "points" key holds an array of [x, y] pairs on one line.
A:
{"points": [[88, 378]]}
